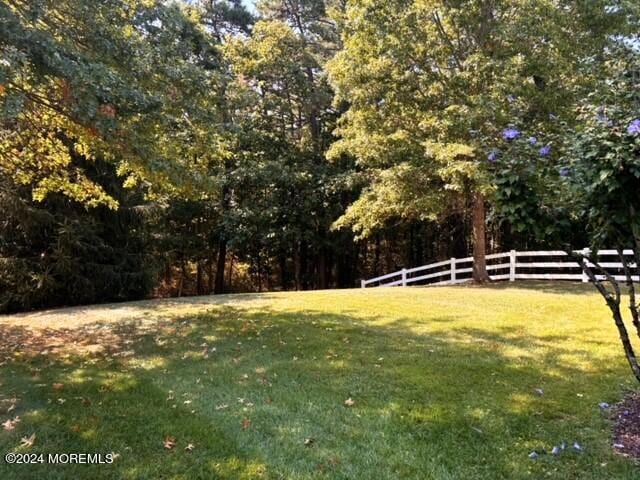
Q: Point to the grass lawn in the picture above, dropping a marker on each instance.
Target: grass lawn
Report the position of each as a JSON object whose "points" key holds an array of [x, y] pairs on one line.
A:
{"points": [[443, 382]]}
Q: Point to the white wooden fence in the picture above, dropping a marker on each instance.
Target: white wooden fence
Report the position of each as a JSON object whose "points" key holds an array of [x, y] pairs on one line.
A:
{"points": [[513, 265]]}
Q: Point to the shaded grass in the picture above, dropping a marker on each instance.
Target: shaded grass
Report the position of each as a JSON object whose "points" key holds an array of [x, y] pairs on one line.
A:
{"points": [[443, 381]]}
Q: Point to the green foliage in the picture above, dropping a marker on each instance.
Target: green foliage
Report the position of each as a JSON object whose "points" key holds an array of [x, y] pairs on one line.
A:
{"points": [[435, 80], [106, 81], [56, 252], [285, 194], [603, 165]]}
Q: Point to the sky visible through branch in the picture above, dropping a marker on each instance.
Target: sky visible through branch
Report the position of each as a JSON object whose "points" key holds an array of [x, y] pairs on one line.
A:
{"points": [[250, 4]]}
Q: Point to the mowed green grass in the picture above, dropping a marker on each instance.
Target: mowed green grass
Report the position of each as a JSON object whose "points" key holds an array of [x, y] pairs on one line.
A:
{"points": [[443, 381]]}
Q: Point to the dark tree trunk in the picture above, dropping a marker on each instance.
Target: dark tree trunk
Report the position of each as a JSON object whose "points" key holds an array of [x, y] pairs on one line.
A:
{"points": [[210, 273], [284, 280], [183, 275], [230, 273], [259, 268], [296, 264], [480, 274], [322, 269], [304, 265], [167, 274], [376, 257], [222, 260], [199, 277]]}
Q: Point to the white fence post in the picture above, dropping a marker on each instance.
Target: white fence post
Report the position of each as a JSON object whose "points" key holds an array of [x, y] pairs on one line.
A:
{"points": [[585, 278], [446, 271], [453, 270], [512, 266]]}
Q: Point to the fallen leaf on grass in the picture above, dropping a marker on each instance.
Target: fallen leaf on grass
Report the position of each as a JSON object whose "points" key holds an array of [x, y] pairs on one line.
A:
{"points": [[28, 441], [246, 423], [349, 402], [57, 386], [169, 443], [308, 442], [189, 447], [11, 424]]}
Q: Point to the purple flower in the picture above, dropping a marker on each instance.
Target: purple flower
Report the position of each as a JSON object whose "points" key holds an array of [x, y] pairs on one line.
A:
{"points": [[564, 172], [634, 127], [510, 133], [532, 140], [545, 151], [493, 155]]}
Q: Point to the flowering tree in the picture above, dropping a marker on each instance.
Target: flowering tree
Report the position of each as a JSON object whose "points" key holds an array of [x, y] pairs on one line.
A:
{"points": [[603, 174], [592, 173]]}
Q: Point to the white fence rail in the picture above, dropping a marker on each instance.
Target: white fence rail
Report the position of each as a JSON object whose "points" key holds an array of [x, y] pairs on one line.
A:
{"points": [[510, 266]]}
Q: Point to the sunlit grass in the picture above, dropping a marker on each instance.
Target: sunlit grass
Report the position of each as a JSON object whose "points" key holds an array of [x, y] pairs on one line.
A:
{"points": [[443, 382]]}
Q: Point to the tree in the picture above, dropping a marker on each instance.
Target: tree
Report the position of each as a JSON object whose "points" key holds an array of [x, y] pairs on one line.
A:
{"points": [[136, 86], [107, 81], [587, 170], [429, 85], [57, 252], [602, 172], [287, 194]]}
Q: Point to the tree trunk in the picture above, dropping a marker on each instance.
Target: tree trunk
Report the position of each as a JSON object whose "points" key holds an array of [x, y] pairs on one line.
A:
{"points": [[304, 265], [480, 274], [183, 275], [613, 302], [199, 277], [167, 274], [626, 342], [222, 259], [282, 262], [230, 273], [376, 257], [296, 264], [210, 273], [322, 269], [259, 268]]}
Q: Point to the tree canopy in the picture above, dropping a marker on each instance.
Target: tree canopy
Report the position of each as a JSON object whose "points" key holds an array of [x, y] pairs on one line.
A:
{"points": [[188, 147]]}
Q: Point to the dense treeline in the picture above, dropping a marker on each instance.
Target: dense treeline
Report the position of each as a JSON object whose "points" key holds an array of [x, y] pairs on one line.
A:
{"points": [[178, 148]]}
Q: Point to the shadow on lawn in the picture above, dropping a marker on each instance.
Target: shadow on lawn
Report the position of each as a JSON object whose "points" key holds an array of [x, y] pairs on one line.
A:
{"points": [[158, 307], [247, 389], [555, 287]]}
